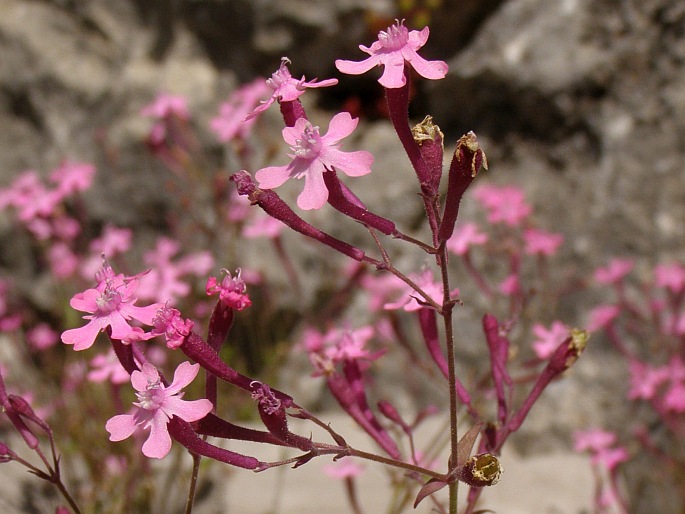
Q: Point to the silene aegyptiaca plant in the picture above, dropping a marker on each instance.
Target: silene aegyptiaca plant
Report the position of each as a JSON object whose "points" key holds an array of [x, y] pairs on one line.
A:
{"points": [[410, 312]]}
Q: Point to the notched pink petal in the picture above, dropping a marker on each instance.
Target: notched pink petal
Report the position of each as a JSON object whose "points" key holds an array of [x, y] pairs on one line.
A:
{"points": [[158, 443], [82, 337], [357, 68], [393, 75], [120, 427], [187, 410], [434, 70], [353, 164], [272, 176], [315, 193], [341, 126]]}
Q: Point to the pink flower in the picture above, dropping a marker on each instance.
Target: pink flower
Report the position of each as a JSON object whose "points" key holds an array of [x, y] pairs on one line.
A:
{"points": [[670, 276], [110, 304], [645, 380], [464, 237], [166, 105], [313, 155], [511, 285], [614, 272], [395, 45], [505, 204], [594, 439], [63, 261], [164, 282], [106, 366], [29, 196], [156, 405], [549, 339], [541, 242], [232, 290], [169, 323], [410, 300], [674, 398], [602, 316], [610, 457], [286, 88], [263, 226], [72, 177], [345, 468], [231, 122], [42, 337]]}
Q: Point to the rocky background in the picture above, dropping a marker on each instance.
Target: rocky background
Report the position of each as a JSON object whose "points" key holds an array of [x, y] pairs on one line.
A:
{"points": [[580, 102]]}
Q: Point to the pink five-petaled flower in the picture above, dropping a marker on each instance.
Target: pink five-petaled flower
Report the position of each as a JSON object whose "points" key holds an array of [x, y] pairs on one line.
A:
{"points": [[396, 45], [232, 290], [110, 304], [156, 405], [286, 88], [314, 154]]}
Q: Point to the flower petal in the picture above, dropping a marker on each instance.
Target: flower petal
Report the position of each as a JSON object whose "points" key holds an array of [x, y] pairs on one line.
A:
{"points": [[272, 176], [187, 410], [357, 68], [120, 427], [428, 69], [83, 337], [353, 164], [341, 126], [158, 443], [185, 373], [315, 192]]}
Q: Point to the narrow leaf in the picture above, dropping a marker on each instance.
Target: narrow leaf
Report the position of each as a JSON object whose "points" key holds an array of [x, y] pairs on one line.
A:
{"points": [[432, 486]]}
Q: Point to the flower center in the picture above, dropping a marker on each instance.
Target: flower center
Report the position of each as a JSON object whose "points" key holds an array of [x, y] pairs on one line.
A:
{"points": [[152, 398], [309, 145], [280, 76], [395, 37], [109, 301]]}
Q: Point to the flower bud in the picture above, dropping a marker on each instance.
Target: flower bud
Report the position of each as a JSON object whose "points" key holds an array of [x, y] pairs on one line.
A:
{"points": [[481, 470], [430, 140], [467, 161]]}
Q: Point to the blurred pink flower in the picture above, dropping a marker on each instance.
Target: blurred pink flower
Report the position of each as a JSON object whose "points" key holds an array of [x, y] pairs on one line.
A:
{"points": [[63, 261], [42, 337], [505, 204], [166, 105], [106, 366], [410, 300], [395, 46], [670, 276], [156, 405], [541, 242], [231, 123], [511, 285], [548, 340], [73, 177], [263, 225], [464, 237], [601, 316], [594, 439], [614, 272], [645, 380], [165, 280], [313, 155], [344, 468]]}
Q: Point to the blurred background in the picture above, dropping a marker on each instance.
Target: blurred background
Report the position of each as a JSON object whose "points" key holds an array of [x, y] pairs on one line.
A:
{"points": [[581, 103]]}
